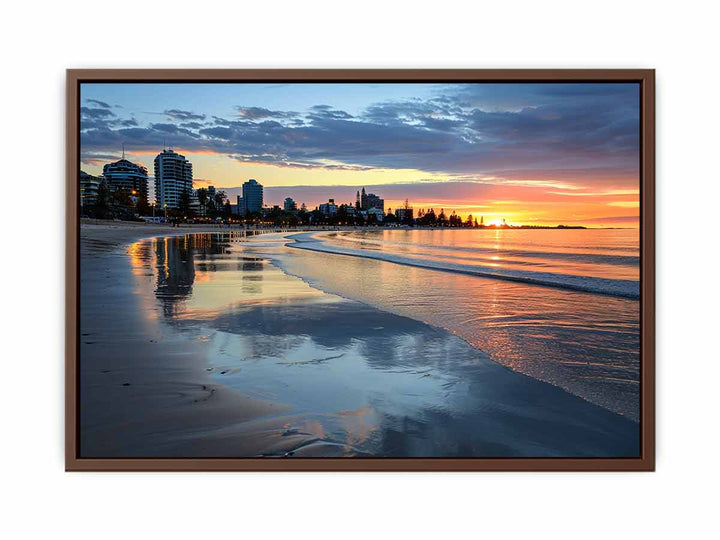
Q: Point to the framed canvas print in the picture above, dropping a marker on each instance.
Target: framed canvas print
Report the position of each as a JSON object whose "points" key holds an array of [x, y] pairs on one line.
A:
{"points": [[360, 270]]}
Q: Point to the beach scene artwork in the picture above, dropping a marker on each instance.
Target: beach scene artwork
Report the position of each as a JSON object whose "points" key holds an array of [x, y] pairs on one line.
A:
{"points": [[357, 271]]}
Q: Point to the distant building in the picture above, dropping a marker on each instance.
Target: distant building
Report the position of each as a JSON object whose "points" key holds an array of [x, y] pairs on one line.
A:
{"points": [[350, 210], [127, 176], [195, 206], [329, 208], [252, 196], [289, 205], [370, 200], [173, 176], [89, 185], [404, 215], [379, 213], [241, 210], [373, 201]]}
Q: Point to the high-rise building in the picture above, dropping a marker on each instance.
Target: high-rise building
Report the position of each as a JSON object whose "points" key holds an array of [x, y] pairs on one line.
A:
{"points": [[127, 176], [89, 185], [173, 176], [289, 205], [252, 196]]}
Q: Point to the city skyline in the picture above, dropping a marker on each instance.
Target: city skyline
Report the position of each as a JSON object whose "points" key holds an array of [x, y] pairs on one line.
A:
{"points": [[532, 153]]}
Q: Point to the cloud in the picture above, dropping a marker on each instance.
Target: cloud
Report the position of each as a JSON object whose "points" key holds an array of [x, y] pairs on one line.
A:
{"points": [[625, 204], [178, 114], [92, 117], [259, 113], [99, 103], [609, 219], [192, 125], [173, 129], [92, 113], [465, 130], [326, 112], [97, 158], [279, 161], [443, 193]]}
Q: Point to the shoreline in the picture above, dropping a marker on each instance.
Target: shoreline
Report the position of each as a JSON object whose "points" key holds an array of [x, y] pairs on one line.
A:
{"points": [[484, 273], [157, 228], [206, 417]]}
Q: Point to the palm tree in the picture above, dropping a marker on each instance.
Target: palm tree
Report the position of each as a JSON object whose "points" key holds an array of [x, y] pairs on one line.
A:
{"points": [[220, 198], [202, 195]]}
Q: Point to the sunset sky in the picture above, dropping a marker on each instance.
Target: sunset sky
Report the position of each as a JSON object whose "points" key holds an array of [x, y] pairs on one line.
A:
{"points": [[529, 153]]}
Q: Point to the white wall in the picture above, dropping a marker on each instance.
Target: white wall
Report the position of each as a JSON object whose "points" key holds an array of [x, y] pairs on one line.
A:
{"points": [[679, 499]]}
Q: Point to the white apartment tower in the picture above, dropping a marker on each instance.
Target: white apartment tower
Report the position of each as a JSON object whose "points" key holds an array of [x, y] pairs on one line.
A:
{"points": [[173, 176]]}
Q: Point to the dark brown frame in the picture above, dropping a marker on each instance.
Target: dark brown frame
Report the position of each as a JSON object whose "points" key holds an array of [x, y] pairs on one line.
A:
{"points": [[646, 461]]}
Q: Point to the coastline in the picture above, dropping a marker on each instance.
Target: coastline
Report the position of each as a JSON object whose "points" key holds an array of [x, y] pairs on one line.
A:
{"points": [[629, 289], [131, 366]]}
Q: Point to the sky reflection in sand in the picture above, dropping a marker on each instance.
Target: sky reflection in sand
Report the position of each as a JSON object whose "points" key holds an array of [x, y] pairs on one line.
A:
{"points": [[359, 381]]}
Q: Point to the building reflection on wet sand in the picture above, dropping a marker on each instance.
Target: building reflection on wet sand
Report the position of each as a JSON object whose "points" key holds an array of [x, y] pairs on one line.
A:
{"points": [[175, 265]]}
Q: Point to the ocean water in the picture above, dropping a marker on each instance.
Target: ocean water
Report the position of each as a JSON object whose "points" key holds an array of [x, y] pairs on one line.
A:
{"points": [[561, 306], [598, 261]]}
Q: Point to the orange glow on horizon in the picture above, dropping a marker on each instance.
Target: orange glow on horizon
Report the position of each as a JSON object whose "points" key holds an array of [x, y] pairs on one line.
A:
{"points": [[546, 198]]}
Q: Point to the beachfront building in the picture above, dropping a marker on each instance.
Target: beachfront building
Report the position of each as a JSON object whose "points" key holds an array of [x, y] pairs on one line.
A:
{"points": [[127, 176], [379, 213], [89, 186], [173, 176], [370, 200], [329, 208], [373, 201], [195, 207], [252, 196], [349, 210]]}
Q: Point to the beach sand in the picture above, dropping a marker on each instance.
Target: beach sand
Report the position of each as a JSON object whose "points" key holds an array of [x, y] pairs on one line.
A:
{"points": [[190, 349], [141, 395]]}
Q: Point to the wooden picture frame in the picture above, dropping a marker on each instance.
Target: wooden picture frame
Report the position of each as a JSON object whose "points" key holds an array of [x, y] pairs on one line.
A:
{"points": [[645, 462]]}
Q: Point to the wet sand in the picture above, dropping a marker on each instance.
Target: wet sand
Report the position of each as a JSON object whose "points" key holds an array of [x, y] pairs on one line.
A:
{"points": [[188, 350]]}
